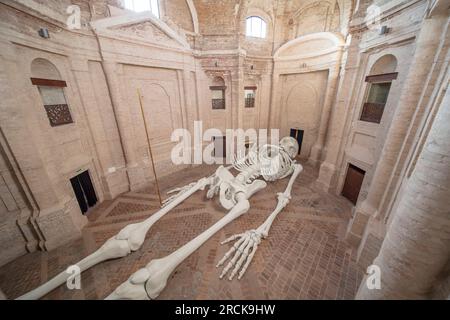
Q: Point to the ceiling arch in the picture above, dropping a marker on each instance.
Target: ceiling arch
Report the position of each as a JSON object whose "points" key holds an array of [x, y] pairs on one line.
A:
{"points": [[310, 45]]}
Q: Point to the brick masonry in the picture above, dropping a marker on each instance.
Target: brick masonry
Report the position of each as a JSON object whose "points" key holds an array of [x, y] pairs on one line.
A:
{"points": [[305, 256]]}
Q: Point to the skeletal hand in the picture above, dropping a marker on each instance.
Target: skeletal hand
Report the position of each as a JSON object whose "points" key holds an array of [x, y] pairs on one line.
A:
{"points": [[175, 193], [248, 240]]}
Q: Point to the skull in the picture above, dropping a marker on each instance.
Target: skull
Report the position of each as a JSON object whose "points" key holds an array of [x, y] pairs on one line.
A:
{"points": [[290, 145]]}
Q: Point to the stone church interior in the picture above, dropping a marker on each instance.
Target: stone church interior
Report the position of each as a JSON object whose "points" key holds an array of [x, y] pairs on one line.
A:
{"points": [[93, 206]]}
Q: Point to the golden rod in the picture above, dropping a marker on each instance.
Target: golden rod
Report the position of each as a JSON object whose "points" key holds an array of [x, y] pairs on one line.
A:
{"points": [[149, 146]]}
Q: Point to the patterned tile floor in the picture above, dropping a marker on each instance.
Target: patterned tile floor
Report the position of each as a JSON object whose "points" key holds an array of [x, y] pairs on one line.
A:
{"points": [[305, 256]]}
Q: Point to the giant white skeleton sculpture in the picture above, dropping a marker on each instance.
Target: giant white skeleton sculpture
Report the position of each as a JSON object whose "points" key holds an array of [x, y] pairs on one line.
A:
{"points": [[269, 161]]}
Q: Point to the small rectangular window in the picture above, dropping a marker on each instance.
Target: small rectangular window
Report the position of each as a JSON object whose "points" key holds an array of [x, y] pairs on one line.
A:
{"points": [[218, 97], [250, 94], [376, 99]]}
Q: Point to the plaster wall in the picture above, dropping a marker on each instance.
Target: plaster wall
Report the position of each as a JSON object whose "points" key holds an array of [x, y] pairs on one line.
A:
{"points": [[302, 105]]}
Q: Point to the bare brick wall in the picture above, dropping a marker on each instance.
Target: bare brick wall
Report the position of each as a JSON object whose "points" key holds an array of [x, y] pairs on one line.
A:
{"points": [[178, 11]]}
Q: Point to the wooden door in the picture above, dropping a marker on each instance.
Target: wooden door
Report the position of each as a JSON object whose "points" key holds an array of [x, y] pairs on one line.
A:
{"points": [[353, 183]]}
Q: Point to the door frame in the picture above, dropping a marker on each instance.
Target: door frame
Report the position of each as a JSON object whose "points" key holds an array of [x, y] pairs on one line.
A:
{"points": [[94, 179], [350, 164]]}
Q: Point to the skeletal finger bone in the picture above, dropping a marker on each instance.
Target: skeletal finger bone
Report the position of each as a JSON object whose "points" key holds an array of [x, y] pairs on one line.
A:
{"points": [[239, 252], [232, 238], [253, 237], [248, 241], [230, 252], [177, 192], [247, 263], [242, 259]]}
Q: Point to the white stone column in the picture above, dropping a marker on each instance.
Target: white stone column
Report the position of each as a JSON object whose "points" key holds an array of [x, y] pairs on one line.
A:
{"points": [[183, 100], [275, 105], [426, 48], [328, 174], [330, 95], [237, 105], [417, 245], [264, 106], [190, 109]]}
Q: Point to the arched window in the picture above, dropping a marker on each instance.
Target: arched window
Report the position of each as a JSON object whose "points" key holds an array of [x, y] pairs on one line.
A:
{"points": [[46, 77], [256, 27], [143, 5], [379, 84], [218, 93]]}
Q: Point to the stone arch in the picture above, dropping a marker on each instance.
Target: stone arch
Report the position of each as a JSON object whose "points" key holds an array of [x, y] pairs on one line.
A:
{"points": [[384, 64], [182, 13], [317, 16], [218, 81], [44, 69], [295, 90], [346, 8], [194, 15], [302, 109], [158, 111], [310, 45]]}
